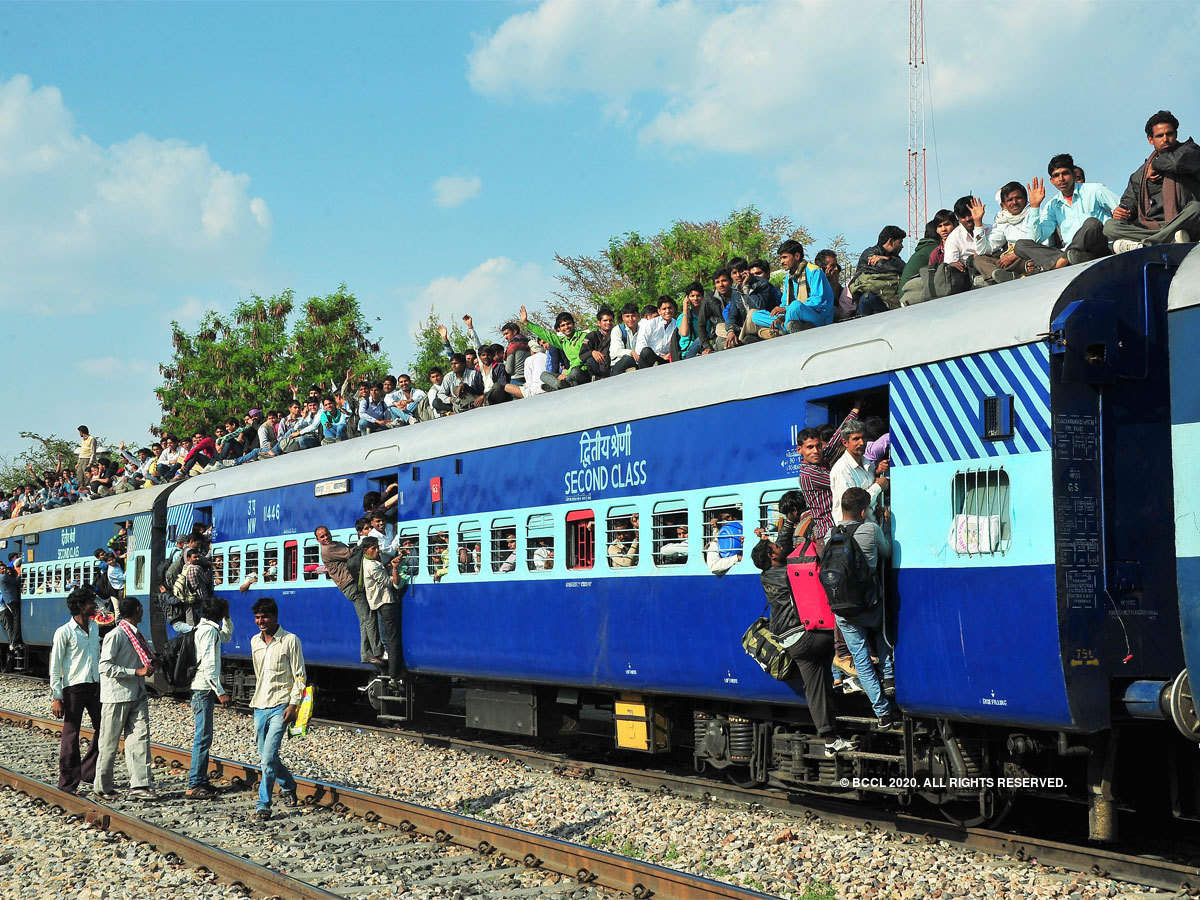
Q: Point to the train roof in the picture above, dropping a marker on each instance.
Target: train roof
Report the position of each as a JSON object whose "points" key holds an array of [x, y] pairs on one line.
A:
{"points": [[116, 507], [1002, 316], [1185, 286]]}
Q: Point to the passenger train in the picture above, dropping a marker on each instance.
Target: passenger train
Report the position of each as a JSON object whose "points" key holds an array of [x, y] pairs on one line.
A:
{"points": [[1044, 593]]}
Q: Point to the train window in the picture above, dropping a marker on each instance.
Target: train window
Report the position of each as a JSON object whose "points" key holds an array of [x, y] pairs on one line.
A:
{"points": [[291, 560], [58, 578], [89, 567], [670, 533], [768, 510], [270, 563], [41, 580], [235, 565], [409, 551], [722, 533], [139, 573], [218, 567], [581, 539], [437, 558], [539, 542], [77, 573], [251, 561], [504, 545], [470, 539], [623, 536], [980, 507], [312, 559]]}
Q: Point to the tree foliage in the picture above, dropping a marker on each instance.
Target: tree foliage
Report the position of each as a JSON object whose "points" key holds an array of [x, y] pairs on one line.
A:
{"points": [[427, 349], [45, 453], [637, 269], [250, 358]]}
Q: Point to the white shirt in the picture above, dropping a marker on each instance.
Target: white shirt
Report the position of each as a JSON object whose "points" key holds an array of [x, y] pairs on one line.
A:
{"points": [[401, 400], [208, 657], [378, 583], [655, 334], [542, 558], [961, 245], [279, 670], [617, 346], [535, 365], [119, 662], [715, 561], [845, 474], [74, 657]]}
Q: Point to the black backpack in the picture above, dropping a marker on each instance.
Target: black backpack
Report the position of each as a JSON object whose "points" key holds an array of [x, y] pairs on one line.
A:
{"points": [[845, 573], [178, 661]]}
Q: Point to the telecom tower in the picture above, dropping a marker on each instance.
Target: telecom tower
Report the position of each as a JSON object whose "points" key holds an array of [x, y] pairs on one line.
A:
{"points": [[915, 179]]}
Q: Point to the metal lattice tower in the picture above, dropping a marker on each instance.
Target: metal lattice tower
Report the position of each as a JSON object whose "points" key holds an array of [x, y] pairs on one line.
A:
{"points": [[915, 179]]}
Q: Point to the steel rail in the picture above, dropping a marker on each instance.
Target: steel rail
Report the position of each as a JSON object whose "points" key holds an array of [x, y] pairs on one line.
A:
{"points": [[588, 866], [1095, 861], [227, 867]]}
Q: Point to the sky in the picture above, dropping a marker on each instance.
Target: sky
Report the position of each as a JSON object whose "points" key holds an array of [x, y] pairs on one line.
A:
{"points": [[161, 159]]}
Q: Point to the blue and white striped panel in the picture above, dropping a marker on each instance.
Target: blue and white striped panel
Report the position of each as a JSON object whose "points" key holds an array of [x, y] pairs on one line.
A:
{"points": [[180, 517], [937, 410], [142, 525]]}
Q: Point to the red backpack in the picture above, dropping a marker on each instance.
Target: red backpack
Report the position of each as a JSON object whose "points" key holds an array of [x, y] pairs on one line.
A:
{"points": [[804, 575]]}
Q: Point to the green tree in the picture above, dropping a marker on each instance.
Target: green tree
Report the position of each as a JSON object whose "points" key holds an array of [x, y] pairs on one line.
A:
{"points": [[636, 269], [45, 453], [251, 358], [427, 347]]}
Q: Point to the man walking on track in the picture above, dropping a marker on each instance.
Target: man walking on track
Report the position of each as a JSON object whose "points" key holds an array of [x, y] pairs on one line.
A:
{"points": [[125, 661]]}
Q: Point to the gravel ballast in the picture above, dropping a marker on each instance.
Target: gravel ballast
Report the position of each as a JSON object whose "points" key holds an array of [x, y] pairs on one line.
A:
{"points": [[752, 847]]}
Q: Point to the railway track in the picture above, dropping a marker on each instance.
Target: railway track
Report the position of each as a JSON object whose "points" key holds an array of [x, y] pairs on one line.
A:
{"points": [[1148, 871], [340, 842], [1140, 869]]}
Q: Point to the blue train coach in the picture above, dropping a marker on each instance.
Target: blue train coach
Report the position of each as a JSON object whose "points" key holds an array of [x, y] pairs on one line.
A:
{"points": [[569, 579]]}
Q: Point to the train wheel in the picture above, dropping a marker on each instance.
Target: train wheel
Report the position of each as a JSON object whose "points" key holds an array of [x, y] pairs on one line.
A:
{"points": [[741, 777], [988, 811]]}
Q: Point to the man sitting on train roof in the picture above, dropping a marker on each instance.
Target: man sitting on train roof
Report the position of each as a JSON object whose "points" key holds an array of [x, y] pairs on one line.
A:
{"points": [[655, 335], [1078, 213], [581, 362], [756, 294], [1162, 202], [876, 281], [998, 241], [807, 296]]}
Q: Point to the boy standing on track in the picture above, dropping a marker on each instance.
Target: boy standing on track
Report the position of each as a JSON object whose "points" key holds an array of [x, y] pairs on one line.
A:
{"points": [[206, 691], [125, 661], [279, 688], [75, 686]]}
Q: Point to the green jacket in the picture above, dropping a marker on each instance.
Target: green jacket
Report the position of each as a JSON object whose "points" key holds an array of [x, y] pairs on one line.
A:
{"points": [[918, 260], [571, 347]]}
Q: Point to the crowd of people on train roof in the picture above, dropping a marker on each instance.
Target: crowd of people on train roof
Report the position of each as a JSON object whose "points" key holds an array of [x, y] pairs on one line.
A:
{"points": [[1030, 233]]}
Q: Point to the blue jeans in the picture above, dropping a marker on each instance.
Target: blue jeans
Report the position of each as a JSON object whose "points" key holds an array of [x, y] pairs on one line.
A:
{"points": [[202, 710], [870, 303], [268, 732], [862, 633]]}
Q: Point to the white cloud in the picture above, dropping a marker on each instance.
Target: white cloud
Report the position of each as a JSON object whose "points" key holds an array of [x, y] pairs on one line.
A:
{"points": [[817, 89], [454, 190], [86, 227], [491, 292]]}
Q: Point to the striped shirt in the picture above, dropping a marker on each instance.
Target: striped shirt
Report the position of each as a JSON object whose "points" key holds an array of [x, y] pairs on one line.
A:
{"points": [[279, 670], [814, 485]]}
